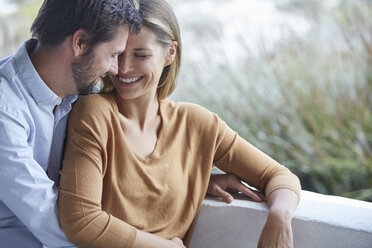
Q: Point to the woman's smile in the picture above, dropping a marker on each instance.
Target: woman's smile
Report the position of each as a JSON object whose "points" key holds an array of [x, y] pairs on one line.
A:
{"points": [[129, 81]]}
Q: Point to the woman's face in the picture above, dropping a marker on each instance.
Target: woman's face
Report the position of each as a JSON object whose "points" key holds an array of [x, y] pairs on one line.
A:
{"points": [[140, 66]]}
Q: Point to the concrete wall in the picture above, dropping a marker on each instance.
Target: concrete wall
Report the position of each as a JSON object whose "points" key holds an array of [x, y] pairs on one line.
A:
{"points": [[320, 222]]}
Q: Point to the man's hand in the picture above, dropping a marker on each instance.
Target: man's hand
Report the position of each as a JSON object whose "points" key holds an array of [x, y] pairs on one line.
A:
{"points": [[221, 184]]}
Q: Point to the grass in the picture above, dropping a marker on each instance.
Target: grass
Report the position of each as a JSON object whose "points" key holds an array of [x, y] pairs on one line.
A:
{"points": [[307, 102], [15, 28]]}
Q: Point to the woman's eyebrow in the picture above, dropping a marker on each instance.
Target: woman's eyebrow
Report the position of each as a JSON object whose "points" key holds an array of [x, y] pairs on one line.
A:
{"points": [[141, 49]]}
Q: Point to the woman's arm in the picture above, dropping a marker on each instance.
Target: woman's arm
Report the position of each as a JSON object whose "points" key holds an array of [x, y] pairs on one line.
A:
{"points": [[282, 203], [146, 240], [253, 166], [277, 231], [281, 187]]}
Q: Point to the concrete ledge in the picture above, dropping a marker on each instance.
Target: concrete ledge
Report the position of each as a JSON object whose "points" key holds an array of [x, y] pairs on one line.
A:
{"points": [[320, 221]]}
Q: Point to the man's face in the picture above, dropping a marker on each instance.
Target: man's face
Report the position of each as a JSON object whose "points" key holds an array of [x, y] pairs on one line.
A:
{"points": [[95, 63]]}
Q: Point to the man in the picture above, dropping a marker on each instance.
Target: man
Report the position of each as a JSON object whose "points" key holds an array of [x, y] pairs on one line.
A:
{"points": [[77, 43]]}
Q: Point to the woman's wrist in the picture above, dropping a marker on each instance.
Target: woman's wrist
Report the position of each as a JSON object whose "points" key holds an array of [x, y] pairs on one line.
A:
{"points": [[282, 202], [282, 214]]}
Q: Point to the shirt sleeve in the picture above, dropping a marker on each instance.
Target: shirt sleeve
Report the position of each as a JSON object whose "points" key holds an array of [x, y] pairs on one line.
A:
{"points": [[235, 155], [25, 187], [81, 212]]}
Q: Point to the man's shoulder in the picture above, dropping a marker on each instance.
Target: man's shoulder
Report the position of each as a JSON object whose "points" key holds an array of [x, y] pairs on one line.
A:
{"points": [[11, 93], [7, 66], [3, 61], [8, 72]]}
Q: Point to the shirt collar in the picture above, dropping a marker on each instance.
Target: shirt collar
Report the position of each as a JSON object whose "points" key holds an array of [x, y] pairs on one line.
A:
{"points": [[41, 93]]}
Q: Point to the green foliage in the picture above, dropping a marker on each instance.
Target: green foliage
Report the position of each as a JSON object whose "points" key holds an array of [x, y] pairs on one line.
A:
{"points": [[29, 8], [15, 27], [307, 103]]}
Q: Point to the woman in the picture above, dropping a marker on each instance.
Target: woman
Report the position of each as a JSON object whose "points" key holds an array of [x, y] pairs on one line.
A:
{"points": [[137, 164]]}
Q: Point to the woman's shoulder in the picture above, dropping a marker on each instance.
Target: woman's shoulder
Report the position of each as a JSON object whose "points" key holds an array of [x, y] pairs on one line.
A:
{"points": [[93, 105], [95, 101], [192, 111]]}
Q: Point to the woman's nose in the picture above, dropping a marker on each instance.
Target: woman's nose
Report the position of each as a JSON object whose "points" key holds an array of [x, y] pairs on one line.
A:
{"points": [[124, 65]]}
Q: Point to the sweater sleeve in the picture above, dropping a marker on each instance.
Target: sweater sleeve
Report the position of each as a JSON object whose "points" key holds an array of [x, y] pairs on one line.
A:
{"points": [[235, 155], [82, 218]]}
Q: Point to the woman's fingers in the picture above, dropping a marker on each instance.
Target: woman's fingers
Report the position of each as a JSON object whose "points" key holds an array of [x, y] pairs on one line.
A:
{"points": [[254, 195], [220, 186], [216, 190], [236, 185]]}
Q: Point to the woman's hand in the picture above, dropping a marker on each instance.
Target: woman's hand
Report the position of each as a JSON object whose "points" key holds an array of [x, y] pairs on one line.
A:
{"points": [[147, 240], [221, 184], [178, 242], [277, 232]]}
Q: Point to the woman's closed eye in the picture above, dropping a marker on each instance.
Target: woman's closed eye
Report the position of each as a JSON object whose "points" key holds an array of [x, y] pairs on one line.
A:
{"points": [[142, 56]]}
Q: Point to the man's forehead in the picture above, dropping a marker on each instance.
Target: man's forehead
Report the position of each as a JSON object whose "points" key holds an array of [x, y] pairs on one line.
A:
{"points": [[117, 45]]}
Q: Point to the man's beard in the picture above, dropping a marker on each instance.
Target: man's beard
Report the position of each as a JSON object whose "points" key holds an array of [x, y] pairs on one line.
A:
{"points": [[84, 71]]}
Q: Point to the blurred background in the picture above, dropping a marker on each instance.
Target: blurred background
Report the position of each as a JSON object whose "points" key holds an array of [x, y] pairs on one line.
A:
{"points": [[293, 77]]}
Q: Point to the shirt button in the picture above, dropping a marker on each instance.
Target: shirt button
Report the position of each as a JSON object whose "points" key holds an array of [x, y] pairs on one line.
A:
{"points": [[40, 103], [58, 101]]}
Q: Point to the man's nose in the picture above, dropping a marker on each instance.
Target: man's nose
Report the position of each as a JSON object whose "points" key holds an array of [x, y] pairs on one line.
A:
{"points": [[114, 67]]}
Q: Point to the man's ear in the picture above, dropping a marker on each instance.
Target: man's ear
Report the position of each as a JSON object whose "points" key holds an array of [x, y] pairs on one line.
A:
{"points": [[171, 53], [78, 42]]}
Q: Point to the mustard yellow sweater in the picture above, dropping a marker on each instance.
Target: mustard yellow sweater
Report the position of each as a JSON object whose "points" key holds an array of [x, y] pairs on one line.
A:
{"points": [[107, 191]]}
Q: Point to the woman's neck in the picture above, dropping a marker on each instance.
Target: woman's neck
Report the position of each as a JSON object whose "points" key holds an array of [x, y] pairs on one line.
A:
{"points": [[142, 111]]}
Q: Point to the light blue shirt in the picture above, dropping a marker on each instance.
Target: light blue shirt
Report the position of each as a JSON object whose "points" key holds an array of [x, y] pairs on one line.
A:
{"points": [[30, 157]]}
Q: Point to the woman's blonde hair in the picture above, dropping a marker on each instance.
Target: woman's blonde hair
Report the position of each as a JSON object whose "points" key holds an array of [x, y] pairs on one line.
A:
{"points": [[158, 16]]}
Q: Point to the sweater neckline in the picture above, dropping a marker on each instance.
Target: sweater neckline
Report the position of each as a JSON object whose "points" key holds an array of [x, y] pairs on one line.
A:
{"points": [[156, 153]]}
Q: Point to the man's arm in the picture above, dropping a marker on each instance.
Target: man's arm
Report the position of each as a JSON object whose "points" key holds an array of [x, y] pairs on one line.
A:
{"points": [[25, 187]]}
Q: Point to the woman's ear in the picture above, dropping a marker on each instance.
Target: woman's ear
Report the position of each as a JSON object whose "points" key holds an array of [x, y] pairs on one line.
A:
{"points": [[78, 44], [171, 53]]}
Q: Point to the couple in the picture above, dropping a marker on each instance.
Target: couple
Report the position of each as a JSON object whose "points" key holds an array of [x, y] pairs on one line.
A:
{"points": [[136, 165]]}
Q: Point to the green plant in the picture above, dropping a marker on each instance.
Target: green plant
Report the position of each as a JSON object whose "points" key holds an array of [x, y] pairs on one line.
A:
{"points": [[307, 102]]}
